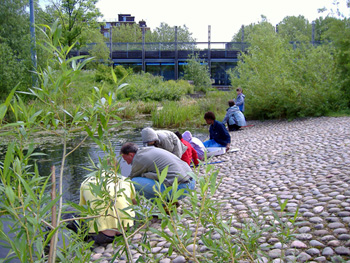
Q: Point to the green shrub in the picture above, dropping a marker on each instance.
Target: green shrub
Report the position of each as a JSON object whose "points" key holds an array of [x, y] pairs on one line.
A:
{"points": [[282, 82], [198, 72], [146, 87]]}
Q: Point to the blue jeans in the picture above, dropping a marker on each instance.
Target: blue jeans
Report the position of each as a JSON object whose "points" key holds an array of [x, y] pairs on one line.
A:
{"points": [[145, 185], [212, 143]]}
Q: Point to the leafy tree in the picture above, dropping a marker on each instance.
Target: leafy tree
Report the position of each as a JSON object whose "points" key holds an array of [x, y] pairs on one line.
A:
{"points": [[280, 81], [166, 33], [342, 44], [247, 30], [99, 50], [15, 62], [322, 25], [294, 28], [198, 72], [127, 33], [75, 16]]}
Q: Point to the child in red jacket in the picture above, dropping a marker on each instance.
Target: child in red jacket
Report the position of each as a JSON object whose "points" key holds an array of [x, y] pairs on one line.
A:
{"points": [[190, 154]]}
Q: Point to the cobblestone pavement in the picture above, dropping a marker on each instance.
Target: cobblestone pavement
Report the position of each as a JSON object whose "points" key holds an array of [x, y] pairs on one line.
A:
{"points": [[305, 161]]}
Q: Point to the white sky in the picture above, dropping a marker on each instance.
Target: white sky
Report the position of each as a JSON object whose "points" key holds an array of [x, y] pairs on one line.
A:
{"points": [[224, 16]]}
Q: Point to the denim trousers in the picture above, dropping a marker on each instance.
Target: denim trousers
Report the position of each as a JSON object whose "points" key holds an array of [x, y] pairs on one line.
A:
{"points": [[145, 186], [212, 143]]}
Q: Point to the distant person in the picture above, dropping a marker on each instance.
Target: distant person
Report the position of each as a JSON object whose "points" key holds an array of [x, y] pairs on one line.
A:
{"points": [[239, 101], [234, 117], [144, 164], [108, 226], [195, 143], [164, 139], [190, 155], [218, 134]]}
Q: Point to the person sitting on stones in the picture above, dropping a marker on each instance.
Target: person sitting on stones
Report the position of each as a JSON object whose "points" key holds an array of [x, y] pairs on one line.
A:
{"points": [[190, 155], [144, 164], [164, 139], [234, 117], [196, 143], [123, 192], [218, 134]]}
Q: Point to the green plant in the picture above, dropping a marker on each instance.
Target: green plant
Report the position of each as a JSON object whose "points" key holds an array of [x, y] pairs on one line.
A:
{"points": [[29, 205], [282, 82], [197, 71]]}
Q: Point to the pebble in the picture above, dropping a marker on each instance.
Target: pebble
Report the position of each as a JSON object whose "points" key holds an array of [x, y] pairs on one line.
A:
{"points": [[304, 161]]}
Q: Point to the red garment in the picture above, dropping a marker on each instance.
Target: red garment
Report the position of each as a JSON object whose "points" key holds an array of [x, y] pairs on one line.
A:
{"points": [[190, 154]]}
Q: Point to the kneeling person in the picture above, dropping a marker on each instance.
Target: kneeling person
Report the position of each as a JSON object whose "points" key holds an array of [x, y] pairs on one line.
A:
{"points": [[145, 162], [108, 224]]}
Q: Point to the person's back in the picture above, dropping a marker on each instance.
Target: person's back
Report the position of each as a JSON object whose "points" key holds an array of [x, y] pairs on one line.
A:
{"points": [[148, 158], [196, 143], [108, 226], [164, 139], [145, 162]]}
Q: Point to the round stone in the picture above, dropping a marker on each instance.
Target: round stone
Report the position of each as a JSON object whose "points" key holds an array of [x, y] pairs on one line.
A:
{"points": [[275, 253], [298, 244], [316, 220], [327, 251], [342, 251], [303, 257], [179, 259], [313, 251], [315, 243]]}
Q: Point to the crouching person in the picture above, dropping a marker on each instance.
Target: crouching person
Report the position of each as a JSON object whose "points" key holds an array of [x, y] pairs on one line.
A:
{"points": [[144, 164], [121, 196]]}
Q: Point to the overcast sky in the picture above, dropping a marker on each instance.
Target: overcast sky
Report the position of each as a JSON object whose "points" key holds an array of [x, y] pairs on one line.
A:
{"points": [[224, 16]]}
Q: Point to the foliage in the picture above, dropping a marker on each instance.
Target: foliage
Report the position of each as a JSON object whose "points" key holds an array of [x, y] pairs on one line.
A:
{"points": [[25, 199], [146, 87], [15, 44], [127, 33], [12, 70], [175, 114], [166, 34], [294, 28], [198, 72], [341, 42], [279, 81], [75, 17], [103, 73], [189, 112], [245, 31]]}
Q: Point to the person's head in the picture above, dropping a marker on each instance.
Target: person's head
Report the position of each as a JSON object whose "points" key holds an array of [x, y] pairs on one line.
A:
{"points": [[231, 103], [239, 90], [179, 135], [128, 151], [187, 136], [209, 117], [149, 137]]}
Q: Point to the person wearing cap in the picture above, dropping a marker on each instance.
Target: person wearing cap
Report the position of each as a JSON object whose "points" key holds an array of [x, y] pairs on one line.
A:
{"points": [[164, 139], [144, 164], [195, 143]]}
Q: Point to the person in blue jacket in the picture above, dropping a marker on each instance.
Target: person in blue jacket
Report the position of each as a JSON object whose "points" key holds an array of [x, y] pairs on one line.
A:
{"points": [[240, 99], [218, 134], [234, 117]]}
